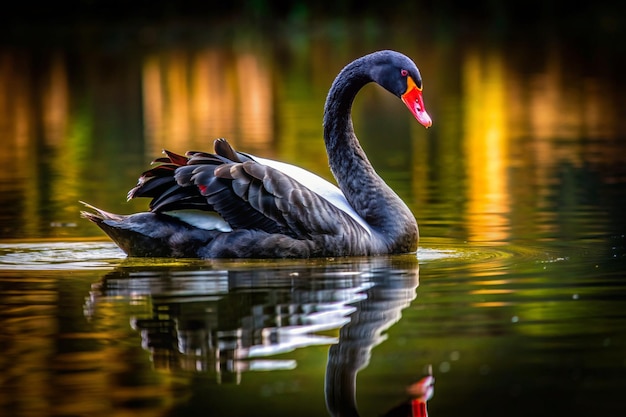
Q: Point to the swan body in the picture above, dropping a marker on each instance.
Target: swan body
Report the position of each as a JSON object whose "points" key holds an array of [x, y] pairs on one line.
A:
{"points": [[235, 205]]}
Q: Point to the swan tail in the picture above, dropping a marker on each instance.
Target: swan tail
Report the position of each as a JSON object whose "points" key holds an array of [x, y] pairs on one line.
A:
{"points": [[150, 234], [157, 235]]}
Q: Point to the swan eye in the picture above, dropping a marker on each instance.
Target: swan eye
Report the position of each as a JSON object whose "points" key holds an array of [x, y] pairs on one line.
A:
{"points": [[404, 72]]}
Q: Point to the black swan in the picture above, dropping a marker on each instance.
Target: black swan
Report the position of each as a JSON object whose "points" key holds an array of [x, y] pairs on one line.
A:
{"points": [[233, 205]]}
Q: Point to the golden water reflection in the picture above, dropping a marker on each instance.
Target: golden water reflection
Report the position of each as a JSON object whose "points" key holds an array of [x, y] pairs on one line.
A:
{"points": [[486, 146], [55, 363], [515, 125], [191, 98]]}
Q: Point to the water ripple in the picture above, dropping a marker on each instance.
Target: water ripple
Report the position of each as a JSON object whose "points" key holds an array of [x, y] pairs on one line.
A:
{"points": [[59, 255], [68, 255]]}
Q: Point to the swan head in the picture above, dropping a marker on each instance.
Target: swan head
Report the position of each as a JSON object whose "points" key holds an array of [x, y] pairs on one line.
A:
{"points": [[399, 75]]}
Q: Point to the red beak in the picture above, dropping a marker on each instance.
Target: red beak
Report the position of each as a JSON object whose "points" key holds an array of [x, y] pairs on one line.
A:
{"points": [[412, 98]]}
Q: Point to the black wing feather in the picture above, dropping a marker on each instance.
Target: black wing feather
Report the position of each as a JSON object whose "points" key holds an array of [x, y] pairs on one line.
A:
{"points": [[247, 194]]}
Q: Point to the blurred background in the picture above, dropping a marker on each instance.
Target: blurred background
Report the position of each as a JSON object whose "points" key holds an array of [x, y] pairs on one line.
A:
{"points": [[93, 90]]}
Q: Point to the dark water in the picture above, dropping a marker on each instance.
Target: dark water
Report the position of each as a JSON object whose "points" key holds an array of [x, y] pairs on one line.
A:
{"points": [[516, 297]]}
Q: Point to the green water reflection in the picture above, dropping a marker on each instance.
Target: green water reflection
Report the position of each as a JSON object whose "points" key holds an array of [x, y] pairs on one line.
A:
{"points": [[519, 190], [526, 332]]}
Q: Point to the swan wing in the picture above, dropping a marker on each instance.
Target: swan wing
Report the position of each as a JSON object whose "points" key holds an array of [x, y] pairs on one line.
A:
{"points": [[328, 191], [252, 195], [248, 192]]}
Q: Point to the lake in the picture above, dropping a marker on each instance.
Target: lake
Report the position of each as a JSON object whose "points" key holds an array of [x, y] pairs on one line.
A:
{"points": [[515, 298]]}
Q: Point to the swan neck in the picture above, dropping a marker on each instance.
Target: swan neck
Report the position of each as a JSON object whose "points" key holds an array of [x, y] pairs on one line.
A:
{"points": [[363, 188], [337, 110]]}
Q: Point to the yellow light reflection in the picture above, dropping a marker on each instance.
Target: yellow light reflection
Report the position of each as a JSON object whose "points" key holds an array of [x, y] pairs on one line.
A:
{"points": [[56, 102], [152, 102], [177, 114], [491, 292], [17, 129], [191, 99], [491, 304], [486, 136], [255, 100], [56, 121], [555, 111], [215, 96], [492, 282]]}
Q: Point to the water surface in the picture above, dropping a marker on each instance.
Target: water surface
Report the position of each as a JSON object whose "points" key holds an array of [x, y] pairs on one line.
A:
{"points": [[515, 297]]}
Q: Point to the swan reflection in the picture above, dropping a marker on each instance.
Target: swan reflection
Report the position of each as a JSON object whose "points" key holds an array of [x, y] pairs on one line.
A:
{"points": [[226, 318]]}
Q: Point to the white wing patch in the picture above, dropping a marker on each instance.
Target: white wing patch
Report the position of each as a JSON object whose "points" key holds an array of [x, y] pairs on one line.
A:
{"points": [[201, 219], [318, 185]]}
